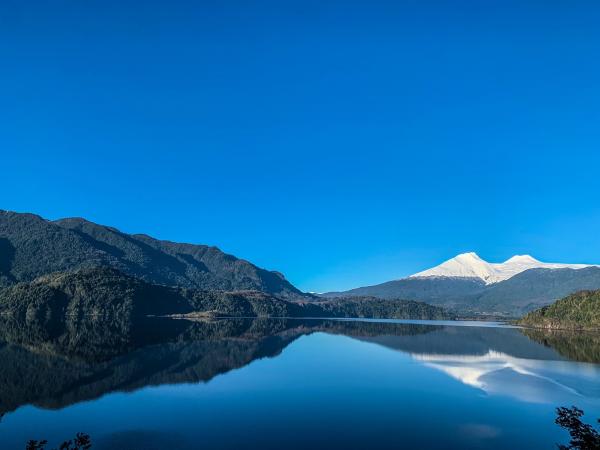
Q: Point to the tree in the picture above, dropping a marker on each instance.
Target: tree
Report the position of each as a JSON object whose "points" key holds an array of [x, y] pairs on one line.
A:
{"points": [[583, 435], [36, 445], [82, 441]]}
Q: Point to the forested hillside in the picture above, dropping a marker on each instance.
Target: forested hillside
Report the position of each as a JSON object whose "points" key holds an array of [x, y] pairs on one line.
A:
{"points": [[108, 292], [31, 246], [579, 311]]}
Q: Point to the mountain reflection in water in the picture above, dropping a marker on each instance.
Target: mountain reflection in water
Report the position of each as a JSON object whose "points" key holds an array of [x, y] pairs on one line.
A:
{"points": [[55, 365]]}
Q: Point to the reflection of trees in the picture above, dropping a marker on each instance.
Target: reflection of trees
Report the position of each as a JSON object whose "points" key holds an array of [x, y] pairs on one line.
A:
{"points": [[579, 346], [90, 339], [360, 328], [56, 364], [83, 360], [99, 339]]}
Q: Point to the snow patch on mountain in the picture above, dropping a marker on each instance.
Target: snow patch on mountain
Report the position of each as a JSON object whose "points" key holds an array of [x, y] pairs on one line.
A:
{"points": [[470, 265]]}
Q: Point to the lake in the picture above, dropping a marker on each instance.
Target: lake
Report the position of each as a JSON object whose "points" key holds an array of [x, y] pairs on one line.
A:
{"points": [[293, 383]]}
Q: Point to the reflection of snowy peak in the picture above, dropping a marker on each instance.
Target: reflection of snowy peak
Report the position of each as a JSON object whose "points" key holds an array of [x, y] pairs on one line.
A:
{"points": [[470, 265], [529, 380]]}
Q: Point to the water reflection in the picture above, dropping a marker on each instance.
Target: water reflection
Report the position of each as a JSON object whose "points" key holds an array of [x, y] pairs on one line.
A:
{"points": [[524, 379], [576, 346], [53, 365], [529, 365]]}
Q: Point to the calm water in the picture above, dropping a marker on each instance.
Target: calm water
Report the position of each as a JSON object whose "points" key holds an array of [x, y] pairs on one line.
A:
{"points": [[276, 384]]}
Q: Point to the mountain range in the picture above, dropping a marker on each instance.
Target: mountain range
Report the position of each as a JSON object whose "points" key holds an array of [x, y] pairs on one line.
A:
{"points": [[31, 246], [105, 292], [470, 265], [50, 270], [469, 284]]}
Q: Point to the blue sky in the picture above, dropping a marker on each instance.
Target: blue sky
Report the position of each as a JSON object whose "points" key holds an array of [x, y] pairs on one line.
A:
{"points": [[342, 143]]}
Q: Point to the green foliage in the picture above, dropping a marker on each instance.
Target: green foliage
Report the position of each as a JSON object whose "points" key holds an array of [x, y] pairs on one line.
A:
{"points": [[81, 441], [370, 307], [583, 435], [36, 445], [31, 247], [579, 311], [104, 292]]}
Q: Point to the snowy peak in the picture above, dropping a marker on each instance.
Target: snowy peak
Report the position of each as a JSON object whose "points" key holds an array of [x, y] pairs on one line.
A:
{"points": [[470, 265], [522, 259], [465, 265]]}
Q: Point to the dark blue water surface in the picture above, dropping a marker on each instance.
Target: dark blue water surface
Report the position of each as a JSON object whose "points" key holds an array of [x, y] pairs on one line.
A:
{"points": [[286, 384]]}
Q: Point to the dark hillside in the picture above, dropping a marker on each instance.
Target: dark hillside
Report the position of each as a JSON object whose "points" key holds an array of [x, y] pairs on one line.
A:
{"points": [[31, 246]]}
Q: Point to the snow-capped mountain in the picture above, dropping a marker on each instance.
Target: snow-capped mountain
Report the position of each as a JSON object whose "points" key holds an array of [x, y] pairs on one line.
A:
{"points": [[470, 265], [468, 283]]}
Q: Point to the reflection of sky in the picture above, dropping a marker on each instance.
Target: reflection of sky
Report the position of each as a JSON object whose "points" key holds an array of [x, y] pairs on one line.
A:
{"points": [[524, 379], [331, 391]]}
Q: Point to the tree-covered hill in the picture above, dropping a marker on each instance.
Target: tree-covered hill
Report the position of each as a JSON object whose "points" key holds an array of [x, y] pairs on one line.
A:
{"points": [[107, 292], [372, 307], [31, 246], [579, 311]]}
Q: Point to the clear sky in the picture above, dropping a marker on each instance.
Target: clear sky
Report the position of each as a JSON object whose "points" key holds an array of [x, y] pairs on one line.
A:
{"points": [[341, 143]]}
